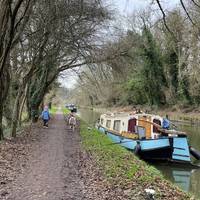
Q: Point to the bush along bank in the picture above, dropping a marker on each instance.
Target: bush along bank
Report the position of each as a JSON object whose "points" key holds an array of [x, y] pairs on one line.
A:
{"points": [[125, 171]]}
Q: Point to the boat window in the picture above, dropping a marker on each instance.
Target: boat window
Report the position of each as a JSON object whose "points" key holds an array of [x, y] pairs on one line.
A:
{"points": [[102, 121], [116, 126], [141, 131], [108, 123], [155, 129]]}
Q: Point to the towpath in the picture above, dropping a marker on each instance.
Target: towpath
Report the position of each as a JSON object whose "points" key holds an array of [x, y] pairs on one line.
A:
{"points": [[52, 172]]}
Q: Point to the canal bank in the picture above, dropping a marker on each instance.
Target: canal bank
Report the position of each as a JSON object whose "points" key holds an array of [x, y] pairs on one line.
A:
{"points": [[124, 171], [186, 179]]}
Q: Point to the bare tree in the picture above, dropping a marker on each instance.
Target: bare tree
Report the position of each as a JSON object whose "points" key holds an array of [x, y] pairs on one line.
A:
{"points": [[13, 17], [57, 37]]}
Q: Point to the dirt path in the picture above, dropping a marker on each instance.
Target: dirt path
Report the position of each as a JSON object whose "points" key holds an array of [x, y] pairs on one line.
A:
{"points": [[52, 172]]}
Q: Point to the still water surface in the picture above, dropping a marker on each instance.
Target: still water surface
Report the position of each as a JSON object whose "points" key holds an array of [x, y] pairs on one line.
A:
{"points": [[186, 178]]}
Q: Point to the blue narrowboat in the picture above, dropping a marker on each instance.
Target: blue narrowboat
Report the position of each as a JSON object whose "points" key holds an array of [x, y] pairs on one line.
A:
{"points": [[148, 136]]}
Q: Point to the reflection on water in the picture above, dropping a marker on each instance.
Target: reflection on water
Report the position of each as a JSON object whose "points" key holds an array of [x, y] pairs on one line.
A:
{"points": [[182, 178], [193, 134], [179, 176], [186, 178], [89, 116]]}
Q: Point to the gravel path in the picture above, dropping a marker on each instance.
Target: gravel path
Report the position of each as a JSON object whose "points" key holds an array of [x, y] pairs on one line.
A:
{"points": [[52, 173]]}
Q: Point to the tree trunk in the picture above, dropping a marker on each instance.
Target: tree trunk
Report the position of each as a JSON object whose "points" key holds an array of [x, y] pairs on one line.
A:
{"points": [[35, 113], [15, 115], [1, 118], [4, 87], [35, 107], [22, 107]]}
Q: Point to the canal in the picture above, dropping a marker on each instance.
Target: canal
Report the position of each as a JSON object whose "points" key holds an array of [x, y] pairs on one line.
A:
{"points": [[186, 178]]}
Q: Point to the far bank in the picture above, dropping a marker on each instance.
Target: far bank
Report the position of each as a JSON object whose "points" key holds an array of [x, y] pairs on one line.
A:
{"points": [[188, 115]]}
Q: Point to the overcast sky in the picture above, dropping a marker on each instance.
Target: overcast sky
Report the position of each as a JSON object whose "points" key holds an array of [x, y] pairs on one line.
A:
{"points": [[126, 8]]}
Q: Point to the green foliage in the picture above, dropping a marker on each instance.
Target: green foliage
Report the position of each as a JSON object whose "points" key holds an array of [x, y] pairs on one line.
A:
{"points": [[146, 85], [171, 62], [152, 72], [135, 93], [183, 92]]}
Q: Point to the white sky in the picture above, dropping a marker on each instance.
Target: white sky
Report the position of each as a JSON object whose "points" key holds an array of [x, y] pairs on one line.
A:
{"points": [[123, 8], [128, 6], [67, 79]]}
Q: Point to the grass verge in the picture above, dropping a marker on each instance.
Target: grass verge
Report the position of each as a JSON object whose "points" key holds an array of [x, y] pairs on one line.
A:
{"points": [[65, 111], [121, 166], [53, 110]]}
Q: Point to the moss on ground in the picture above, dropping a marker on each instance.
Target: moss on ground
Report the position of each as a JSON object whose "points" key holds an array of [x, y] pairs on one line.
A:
{"points": [[122, 166]]}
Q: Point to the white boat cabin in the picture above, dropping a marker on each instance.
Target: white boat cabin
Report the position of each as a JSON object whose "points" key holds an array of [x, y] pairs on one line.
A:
{"points": [[131, 125]]}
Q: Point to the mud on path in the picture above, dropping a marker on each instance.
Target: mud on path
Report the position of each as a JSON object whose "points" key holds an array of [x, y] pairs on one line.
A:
{"points": [[52, 170]]}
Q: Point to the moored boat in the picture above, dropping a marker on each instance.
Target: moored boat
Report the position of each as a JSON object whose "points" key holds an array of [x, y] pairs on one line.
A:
{"points": [[148, 136], [71, 107]]}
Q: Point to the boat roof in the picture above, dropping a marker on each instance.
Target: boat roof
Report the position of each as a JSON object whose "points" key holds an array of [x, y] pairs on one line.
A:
{"points": [[127, 114]]}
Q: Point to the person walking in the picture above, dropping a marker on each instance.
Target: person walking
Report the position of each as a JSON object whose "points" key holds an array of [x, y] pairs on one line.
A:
{"points": [[45, 116], [72, 122]]}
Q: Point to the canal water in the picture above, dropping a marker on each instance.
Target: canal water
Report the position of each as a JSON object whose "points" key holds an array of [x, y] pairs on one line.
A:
{"points": [[186, 178]]}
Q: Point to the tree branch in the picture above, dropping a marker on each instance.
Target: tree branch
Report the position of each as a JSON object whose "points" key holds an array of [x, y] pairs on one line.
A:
{"points": [[164, 19], [195, 3], [188, 15]]}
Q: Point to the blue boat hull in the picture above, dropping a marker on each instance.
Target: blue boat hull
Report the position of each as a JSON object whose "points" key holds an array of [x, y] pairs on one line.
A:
{"points": [[174, 149]]}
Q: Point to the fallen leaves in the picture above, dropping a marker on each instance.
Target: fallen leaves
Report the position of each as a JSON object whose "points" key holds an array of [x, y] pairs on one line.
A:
{"points": [[13, 158]]}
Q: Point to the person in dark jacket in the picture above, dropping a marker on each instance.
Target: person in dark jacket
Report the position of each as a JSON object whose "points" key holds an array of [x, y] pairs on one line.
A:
{"points": [[45, 116]]}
